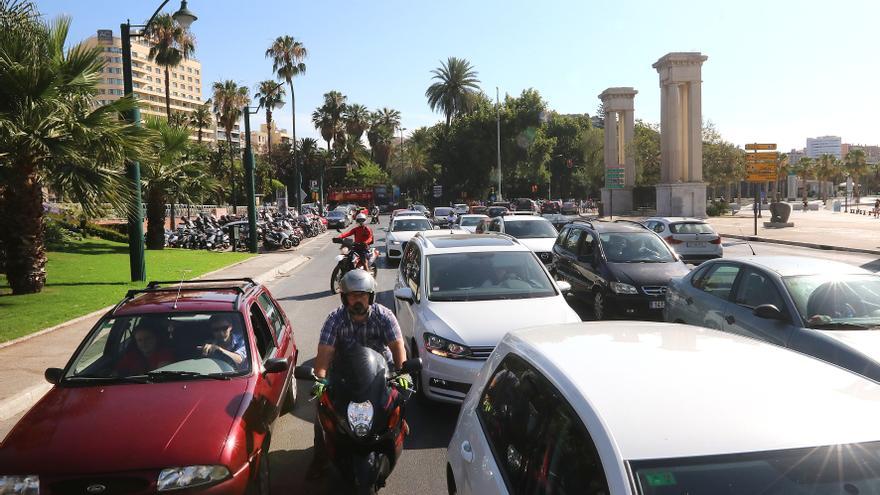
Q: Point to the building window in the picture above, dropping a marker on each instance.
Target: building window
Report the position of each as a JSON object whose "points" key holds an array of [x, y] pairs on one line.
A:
{"points": [[159, 80], [197, 71], [197, 81], [174, 84]]}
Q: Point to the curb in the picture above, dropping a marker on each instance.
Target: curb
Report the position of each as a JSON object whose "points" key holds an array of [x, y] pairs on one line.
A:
{"points": [[25, 399], [824, 247]]}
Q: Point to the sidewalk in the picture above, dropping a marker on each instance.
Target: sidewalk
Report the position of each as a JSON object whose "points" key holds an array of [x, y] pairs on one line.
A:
{"points": [[23, 361]]}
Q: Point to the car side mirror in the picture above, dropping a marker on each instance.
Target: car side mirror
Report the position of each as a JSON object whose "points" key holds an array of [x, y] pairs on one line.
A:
{"points": [[404, 294], [768, 312], [304, 373], [275, 365], [53, 375], [412, 365], [564, 286]]}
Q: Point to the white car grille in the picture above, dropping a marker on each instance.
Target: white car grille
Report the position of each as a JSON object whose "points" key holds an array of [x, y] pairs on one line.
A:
{"points": [[481, 353], [654, 290]]}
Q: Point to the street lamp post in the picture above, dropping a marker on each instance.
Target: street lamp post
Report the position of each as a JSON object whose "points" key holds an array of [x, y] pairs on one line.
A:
{"points": [[249, 179], [133, 168], [498, 129]]}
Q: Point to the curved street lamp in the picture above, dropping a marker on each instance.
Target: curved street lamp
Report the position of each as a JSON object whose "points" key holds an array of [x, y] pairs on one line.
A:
{"points": [[185, 18]]}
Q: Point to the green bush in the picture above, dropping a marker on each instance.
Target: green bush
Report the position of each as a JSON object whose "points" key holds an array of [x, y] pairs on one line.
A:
{"points": [[56, 235], [90, 229], [717, 208]]}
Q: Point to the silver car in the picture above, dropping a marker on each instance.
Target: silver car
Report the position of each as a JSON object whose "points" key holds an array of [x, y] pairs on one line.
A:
{"points": [[826, 309], [693, 239]]}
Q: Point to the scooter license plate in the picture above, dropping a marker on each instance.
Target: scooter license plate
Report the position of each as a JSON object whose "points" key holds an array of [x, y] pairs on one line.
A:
{"points": [[656, 304]]}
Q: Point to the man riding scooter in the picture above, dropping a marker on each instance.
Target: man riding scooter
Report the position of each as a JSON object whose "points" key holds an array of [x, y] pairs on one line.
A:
{"points": [[374, 212], [363, 238]]}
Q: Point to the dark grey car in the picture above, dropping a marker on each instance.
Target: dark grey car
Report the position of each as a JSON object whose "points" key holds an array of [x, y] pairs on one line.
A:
{"points": [[826, 309]]}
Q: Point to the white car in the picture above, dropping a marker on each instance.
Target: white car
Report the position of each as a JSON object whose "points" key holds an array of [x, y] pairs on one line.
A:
{"points": [[402, 228], [469, 222], [457, 294], [693, 239], [658, 408], [536, 233], [461, 209]]}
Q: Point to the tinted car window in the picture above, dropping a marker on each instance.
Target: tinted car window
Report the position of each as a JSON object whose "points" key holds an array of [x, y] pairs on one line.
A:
{"points": [[469, 221], [588, 245], [529, 229], [834, 301], [480, 276], [410, 225], [560, 239], [635, 247], [574, 237], [719, 280], [265, 342], [756, 288], [272, 313], [691, 228], [537, 440]]}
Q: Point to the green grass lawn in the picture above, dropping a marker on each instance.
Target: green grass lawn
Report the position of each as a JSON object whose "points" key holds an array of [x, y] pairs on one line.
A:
{"points": [[90, 274]]}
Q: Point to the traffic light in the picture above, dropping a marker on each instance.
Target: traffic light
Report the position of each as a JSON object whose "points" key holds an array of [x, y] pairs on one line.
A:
{"points": [[534, 188]]}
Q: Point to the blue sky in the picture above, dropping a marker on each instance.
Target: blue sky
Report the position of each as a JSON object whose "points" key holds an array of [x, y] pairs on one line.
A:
{"points": [[778, 71]]}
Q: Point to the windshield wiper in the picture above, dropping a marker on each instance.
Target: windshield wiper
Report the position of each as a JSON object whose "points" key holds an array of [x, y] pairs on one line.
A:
{"points": [[832, 325], [187, 375], [106, 379]]}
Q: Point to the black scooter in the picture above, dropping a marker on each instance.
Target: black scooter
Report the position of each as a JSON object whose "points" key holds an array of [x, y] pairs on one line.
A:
{"points": [[361, 416]]}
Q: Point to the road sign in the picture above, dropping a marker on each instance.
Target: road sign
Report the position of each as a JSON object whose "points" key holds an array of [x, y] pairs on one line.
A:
{"points": [[313, 185], [761, 146], [767, 155], [438, 191], [615, 177]]}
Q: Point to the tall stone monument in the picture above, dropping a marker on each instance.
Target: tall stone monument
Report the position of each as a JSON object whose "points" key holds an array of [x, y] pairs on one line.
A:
{"points": [[619, 128], [681, 191]]}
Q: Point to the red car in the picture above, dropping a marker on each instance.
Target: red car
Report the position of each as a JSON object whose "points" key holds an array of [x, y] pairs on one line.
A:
{"points": [[177, 387]]}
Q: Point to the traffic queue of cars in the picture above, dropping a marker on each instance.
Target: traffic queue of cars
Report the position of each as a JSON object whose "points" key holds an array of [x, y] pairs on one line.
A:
{"points": [[764, 379]]}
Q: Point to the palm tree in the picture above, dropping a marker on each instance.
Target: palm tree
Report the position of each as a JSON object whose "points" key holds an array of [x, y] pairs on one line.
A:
{"points": [[857, 166], [287, 56], [53, 132], [328, 119], [170, 45], [179, 119], [201, 118], [805, 168], [324, 123], [455, 89], [270, 95], [827, 168], [229, 98], [161, 174], [357, 120]]}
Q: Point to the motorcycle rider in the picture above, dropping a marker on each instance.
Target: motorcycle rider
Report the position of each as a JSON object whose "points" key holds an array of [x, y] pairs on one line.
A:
{"points": [[361, 321], [363, 238], [374, 211]]}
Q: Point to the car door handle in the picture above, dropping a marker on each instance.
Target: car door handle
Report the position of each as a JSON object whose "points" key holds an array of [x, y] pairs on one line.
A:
{"points": [[467, 453], [730, 319]]}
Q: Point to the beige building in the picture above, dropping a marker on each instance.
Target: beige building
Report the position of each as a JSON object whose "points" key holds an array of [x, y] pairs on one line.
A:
{"points": [[872, 153], [148, 78], [260, 139]]}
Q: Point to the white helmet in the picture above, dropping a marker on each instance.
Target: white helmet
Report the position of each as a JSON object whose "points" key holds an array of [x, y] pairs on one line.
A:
{"points": [[357, 280], [360, 218]]}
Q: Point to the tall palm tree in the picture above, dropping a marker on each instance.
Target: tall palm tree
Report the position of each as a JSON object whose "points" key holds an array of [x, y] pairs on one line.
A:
{"points": [[229, 98], [827, 168], [53, 132], [329, 119], [782, 166], [455, 88], [270, 96], [287, 56], [170, 44], [357, 120], [324, 124], [390, 118], [857, 167], [805, 169], [162, 171], [179, 119], [201, 118]]}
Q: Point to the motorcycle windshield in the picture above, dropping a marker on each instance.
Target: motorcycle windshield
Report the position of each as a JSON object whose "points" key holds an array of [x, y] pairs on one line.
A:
{"points": [[359, 374]]}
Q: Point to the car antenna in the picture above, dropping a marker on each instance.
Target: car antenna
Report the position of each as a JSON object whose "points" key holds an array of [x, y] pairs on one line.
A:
{"points": [[180, 286], [749, 244]]}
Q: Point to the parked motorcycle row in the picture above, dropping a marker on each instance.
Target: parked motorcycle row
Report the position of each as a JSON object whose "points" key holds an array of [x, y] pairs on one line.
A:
{"points": [[276, 230]]}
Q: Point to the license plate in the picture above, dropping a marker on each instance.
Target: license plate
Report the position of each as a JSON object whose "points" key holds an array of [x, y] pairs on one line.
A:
{"points": [[698, 244], [656, 304]]}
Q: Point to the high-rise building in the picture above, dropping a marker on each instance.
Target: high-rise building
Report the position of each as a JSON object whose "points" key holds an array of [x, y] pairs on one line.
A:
{"points": [[185, 88], [872, 153], [260, 139], [795, 155], [824, 145]]}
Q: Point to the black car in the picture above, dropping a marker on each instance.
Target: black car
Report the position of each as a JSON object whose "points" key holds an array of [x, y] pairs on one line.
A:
{"points": [[497, 211], [622, 268], [337, 219]]}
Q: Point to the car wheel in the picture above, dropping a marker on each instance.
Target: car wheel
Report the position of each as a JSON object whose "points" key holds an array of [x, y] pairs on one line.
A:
{"points": [[599, 309], [413, 352]]}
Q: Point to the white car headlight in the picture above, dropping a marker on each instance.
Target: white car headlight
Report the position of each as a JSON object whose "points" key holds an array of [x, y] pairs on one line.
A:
{"points": [[395, 243], [360, 417], [444, 347], [190, 476], [20, 485], [620, 288]]}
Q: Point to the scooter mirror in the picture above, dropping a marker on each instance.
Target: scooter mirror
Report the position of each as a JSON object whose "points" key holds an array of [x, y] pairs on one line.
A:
{"points": [[304, 373], [412, 365]]}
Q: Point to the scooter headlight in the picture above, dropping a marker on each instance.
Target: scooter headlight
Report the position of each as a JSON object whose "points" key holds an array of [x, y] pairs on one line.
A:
{"points": [[360, 417]]}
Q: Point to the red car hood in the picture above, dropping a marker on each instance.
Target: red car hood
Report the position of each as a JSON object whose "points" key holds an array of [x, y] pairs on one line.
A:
{"points": [[79, 430]]}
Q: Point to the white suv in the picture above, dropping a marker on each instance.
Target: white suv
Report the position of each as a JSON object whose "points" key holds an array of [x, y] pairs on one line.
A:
{"points": [[536, 233], [457, 294], [653, 409]]}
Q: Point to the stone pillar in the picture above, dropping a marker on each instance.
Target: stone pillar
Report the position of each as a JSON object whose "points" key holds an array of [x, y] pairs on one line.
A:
{"points": [[681, 191], [618, 152]]}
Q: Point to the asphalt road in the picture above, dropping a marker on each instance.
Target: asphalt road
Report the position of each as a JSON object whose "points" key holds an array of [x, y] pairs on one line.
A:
{"points": [[306, 299]]}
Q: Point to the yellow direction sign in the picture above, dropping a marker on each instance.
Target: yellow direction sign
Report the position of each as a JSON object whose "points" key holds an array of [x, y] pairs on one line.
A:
{"points": [[767, 155], [761, 146]]}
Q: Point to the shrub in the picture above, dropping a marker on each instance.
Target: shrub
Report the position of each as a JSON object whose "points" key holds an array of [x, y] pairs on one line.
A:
{"points": [[90, 229], [717, 208]]}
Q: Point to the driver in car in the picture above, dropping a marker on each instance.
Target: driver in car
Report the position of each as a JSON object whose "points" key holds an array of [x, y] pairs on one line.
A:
{"points": [[225, 345]]}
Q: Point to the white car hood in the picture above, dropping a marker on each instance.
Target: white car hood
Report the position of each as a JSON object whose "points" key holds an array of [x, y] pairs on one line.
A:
{"points": [[400, 236], [483, 323], [539, 244]]}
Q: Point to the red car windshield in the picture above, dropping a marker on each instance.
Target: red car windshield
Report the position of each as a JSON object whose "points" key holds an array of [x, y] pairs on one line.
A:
{"points": [[167, 345]]}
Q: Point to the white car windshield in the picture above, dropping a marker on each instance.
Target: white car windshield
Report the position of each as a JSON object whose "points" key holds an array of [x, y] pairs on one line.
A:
{"points": [[165, 346], [484, 276], [635, 247], [530, 229], [853, 468], [470, 221], [411, 225], [832, 301]]}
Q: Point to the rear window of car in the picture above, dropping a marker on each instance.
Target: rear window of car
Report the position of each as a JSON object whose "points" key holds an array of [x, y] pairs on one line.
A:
{"points": [[691, 228], [529, 229], [442, 211]]}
